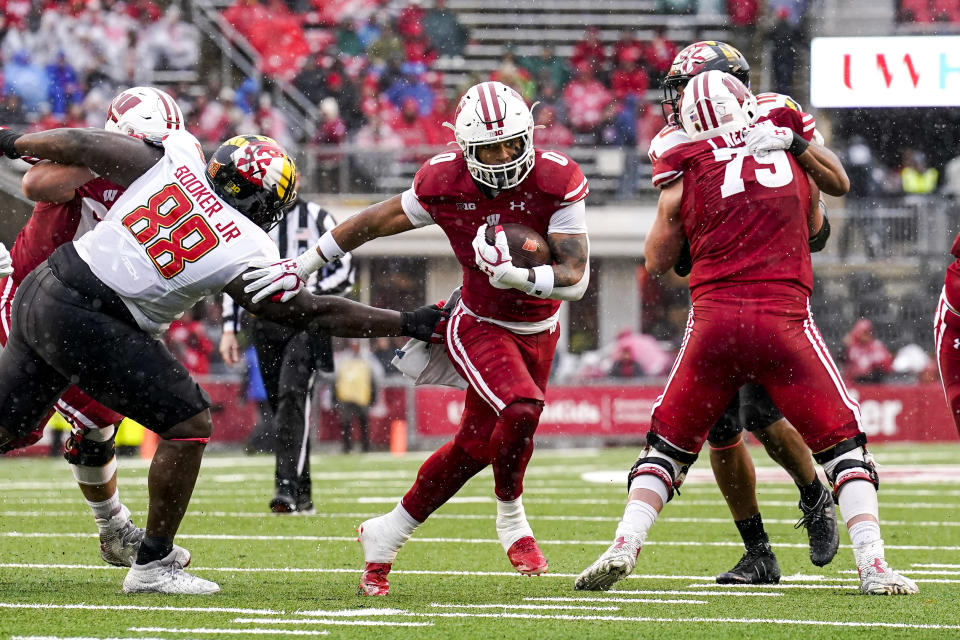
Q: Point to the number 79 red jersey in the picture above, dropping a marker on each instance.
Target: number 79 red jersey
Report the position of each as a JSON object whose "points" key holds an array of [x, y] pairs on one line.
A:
{"points": [[745, 216]]}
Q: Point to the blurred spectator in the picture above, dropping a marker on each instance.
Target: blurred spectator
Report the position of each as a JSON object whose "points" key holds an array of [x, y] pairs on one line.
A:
{"points": [[645, 350], [213, 121], [586, 99], [187, 340], [331, 131], [629, 78], [627, 47], [514, 76], [415, 131], [913, 361], [743, 13], [659, 54], [916, 178], [387, 47], [915, 11], [951, 178], [63, 85], [358, 378], [786, 39], [376, 141], [547, 68], [383, 351], [75, 116], [590, 51], [624, 366], [866, 359], [348, 40], [169, 44], [410, 20], [859, 163], [11, 109], [417, 48], [26, 79], [411, 86], [550, 134], [549, 96], [325, 76], [268, 120], [447, 36], [649, 123], [47, 120]]}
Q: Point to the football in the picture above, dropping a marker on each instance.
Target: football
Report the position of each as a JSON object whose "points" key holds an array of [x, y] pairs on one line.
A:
{"points": [[527, 247]]}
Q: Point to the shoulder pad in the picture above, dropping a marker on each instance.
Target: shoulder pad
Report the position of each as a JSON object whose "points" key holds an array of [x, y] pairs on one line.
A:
{"points": [[560, 176], [438, 176], [669, 137], [768, 101]]}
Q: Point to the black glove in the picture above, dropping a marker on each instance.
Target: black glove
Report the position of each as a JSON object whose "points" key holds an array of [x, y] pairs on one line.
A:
{"points": [[819, 240], [684, 262], [7, 138], [421, 323]]}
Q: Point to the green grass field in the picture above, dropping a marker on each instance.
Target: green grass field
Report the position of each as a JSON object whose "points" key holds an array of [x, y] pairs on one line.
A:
{"points": [[290, 576]]}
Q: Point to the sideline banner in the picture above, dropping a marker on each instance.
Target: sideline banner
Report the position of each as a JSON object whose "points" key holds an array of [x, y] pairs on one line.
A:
{"points": [[890, 413]]}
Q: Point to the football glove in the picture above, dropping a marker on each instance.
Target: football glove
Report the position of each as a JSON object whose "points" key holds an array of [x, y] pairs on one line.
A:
{"points": [[426, 323], [765, 137], [7, 138], [6, 262], [281, 280], [495, 261]]}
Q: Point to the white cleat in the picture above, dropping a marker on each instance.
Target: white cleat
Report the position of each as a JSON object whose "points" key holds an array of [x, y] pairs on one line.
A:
{"points": [[615, 564], [166, 576], [878, 579], [120, 540]]}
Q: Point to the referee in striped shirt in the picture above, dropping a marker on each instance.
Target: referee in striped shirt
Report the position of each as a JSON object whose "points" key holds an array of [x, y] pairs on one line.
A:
{"points": [[290, 360]]}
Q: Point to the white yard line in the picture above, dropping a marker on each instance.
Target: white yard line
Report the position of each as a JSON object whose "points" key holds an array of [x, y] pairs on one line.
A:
{"points": [[130, 607], [341, 622], [662, 592], [257, 632], [775, 586], [550, 607]]}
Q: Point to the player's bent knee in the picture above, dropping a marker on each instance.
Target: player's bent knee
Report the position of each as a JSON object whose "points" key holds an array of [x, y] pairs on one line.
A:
{"points": [[91, 454], [663, 460], [523, 415], [846, 461], [197, 428]]}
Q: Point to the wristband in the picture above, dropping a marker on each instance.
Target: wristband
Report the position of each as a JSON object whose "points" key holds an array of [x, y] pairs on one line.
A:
{"points": [[798, 146], [329, 249], [818, 240], [542, 281], [7, 138]]}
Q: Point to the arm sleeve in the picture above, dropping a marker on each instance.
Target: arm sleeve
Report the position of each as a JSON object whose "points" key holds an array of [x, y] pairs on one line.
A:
{"points": [[231, 314], [415, 211], [571, 219]]}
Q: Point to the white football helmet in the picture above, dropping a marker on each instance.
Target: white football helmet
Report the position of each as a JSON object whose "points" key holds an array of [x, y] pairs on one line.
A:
{"points": [[144, 112], [493, 112], [714, 103]]}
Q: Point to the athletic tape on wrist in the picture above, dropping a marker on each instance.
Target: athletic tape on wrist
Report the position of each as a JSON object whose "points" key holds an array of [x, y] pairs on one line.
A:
{"points": [[329, 249], [91, 476], [543, 281]]}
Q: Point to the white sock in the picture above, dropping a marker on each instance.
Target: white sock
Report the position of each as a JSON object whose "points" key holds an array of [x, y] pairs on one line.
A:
{"points": [[511, 522], [638, 517], [108, 508], [383, 536], [863, 533]]}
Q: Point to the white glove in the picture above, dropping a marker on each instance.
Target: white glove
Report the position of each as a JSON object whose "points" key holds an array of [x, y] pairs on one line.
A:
{"points": [[494, 260], [765, 137], [6, 262], [281, 280]]}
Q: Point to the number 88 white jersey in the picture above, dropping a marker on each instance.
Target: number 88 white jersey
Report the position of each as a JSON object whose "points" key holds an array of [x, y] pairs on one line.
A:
{"points": [[169, 241]]}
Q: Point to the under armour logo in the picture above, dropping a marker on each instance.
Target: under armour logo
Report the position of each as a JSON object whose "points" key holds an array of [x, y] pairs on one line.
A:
{"points": [[956, 343], [518, 205], [493, 219], [619, 542], [878, 565]]}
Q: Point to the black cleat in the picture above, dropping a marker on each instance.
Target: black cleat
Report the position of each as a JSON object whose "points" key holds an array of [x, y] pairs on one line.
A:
{"points": [[283, 503], [820, 521], [757, 566]]}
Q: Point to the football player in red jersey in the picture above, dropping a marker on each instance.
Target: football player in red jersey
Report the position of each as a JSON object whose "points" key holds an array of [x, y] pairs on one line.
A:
{"points": [[746, 207], [752, 409], [502, 335], [946, 333], [71, 200]]}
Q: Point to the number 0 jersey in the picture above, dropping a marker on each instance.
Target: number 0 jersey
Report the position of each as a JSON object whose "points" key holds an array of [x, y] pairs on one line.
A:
{"points": [[170, 240], [745, 216], [549, 200]]}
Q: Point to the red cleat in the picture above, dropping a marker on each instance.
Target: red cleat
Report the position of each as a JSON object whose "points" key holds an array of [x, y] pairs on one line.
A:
{"points": [[526, 557], [374, 582]]}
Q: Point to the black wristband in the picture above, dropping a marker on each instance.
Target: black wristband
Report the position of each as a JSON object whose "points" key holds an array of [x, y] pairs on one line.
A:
{"points": [[7, 138], [819, 240], [420, 322], [799, 145]]}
